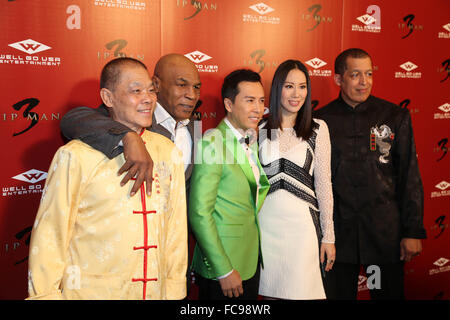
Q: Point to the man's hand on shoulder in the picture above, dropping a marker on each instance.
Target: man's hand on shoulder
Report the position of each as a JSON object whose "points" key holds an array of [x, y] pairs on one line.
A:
{"points": [[138, 163]]}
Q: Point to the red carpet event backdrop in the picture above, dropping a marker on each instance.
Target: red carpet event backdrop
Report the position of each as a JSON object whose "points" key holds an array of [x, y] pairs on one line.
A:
{"points": [[51, 54]]}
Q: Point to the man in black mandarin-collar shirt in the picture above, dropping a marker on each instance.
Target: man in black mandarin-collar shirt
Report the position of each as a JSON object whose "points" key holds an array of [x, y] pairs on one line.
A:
{"points": [[378, 194]]}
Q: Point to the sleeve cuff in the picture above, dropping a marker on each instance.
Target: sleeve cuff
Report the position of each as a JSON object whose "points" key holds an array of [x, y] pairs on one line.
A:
{"points": [[225, 275]]}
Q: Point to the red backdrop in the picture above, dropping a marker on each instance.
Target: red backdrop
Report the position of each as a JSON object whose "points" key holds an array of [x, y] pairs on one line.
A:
{"points": [[51, 53]]}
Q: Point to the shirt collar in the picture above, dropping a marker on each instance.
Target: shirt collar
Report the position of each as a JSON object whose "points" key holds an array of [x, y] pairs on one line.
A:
{"points": [[360, 107], [238, 135], [162, 116]]}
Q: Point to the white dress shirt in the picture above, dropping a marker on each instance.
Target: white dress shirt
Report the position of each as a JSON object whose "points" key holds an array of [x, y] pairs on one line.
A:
{"points": [[179, 132]]}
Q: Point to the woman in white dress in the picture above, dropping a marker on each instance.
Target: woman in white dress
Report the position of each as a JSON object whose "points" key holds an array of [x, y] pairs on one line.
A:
{"points": [[296, 220]]}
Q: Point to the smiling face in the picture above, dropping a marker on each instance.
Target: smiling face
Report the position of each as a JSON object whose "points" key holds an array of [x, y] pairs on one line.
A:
{"points": [[293, 92], [356, 82], [248, 106], [133, 99], [178, 84]]}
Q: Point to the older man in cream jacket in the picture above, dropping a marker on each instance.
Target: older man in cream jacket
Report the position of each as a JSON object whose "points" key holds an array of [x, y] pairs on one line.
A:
{"points": [[91, 239]]}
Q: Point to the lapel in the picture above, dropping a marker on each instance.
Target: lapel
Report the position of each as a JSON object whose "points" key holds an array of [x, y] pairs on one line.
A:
{"points": [[239, 156], [194, 139]]}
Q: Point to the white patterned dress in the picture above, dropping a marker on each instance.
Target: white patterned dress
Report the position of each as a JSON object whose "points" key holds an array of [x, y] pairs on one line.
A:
{"points": [[291, 226]]}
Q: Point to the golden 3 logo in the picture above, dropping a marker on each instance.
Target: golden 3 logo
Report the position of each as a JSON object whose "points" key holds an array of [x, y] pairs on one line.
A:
{"points": [[314, 14], [258, 60], [115, 48]]}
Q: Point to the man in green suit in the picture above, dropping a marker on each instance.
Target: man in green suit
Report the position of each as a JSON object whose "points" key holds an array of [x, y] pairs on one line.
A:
{"points": [[228, 187]]}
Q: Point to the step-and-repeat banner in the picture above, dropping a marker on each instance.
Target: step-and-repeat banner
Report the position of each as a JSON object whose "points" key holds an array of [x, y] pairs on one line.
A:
{"points": [[51, 54]]}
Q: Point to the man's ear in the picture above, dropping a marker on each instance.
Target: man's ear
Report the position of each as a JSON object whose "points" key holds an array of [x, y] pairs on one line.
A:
{"points": [[156, 82], [228, 104], [337, 79], [106, 96]]}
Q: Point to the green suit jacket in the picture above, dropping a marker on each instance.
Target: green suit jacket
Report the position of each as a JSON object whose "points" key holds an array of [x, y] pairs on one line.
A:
{"points": [[222, 206]]}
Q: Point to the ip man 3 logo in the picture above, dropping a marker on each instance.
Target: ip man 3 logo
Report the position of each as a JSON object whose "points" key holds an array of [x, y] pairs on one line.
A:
{"points": [[409, 25], [314, 10], [445, 69], [27, 105], [197, 5], [117, 46], [442, 147], [440, 225]]}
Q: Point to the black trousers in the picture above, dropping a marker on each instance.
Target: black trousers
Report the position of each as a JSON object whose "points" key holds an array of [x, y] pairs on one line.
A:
{"points": [[209, 289], [341, 283]]}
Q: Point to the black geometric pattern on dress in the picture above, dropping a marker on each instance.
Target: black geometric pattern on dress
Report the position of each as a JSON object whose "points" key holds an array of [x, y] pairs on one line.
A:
{"points": [[291, 169], [315, 215], [312, 140], [285, 185], [308, 160]]}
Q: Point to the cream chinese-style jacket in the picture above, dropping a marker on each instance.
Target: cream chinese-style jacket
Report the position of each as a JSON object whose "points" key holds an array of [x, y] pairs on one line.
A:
{"points": [[91, 240]]}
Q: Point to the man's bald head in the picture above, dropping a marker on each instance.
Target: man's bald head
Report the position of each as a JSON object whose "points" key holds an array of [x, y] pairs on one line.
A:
{"points": [[166, 62], [178, 84]]}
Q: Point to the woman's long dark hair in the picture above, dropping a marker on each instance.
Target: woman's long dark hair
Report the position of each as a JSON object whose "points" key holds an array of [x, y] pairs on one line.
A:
{"points": [[303, 123]]}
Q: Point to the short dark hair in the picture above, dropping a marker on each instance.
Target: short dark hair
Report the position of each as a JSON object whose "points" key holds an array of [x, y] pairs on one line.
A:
{"points": [[303, 123], [111, 71], [340, 64], [230, 84]]}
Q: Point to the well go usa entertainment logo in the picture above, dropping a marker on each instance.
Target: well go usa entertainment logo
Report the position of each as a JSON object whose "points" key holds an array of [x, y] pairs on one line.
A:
{"points": [[32, 177], [370, 21], [408, 68], [317, 64], [445, 35], [262, 16], [30, 47], [445, 114], [121, 4], [198, 58], [443, 186], [441, 263]]}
